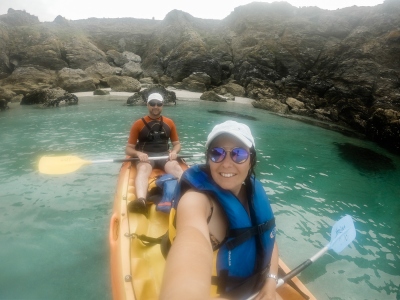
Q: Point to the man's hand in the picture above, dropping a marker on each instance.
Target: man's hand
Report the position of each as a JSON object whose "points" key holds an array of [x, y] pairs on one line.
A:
{"points": [[173, 155], [143, 156]]}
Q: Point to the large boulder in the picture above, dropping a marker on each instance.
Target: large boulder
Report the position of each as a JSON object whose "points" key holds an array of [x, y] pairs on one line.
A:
{"points": [[116, 58], [197, 82], [123, 84], [212, 96], [132, 57], [26, 79], [231, 88], [101, 70], [132, 69], [75, 80]]}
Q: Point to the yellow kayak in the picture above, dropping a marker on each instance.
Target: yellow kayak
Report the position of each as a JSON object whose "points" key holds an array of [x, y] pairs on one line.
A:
{"points": [[137, 269]]}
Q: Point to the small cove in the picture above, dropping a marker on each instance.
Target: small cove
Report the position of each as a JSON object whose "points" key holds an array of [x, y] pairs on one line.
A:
{"points": [[53, 229]]}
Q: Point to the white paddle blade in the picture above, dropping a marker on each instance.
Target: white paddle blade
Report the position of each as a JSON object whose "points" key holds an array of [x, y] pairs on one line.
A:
{"points": [[343, 233]]}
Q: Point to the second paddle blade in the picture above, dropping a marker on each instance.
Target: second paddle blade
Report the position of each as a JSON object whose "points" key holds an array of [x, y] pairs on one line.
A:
{"points": [[60, 164]]}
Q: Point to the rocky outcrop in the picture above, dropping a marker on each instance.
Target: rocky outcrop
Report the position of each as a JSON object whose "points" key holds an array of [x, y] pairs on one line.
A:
{"points": [[26, 79], [341, 65], [140, 98], [49, 98]]}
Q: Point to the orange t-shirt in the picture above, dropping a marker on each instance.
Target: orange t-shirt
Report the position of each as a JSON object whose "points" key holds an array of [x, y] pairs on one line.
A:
{"points": [[139, 126]]}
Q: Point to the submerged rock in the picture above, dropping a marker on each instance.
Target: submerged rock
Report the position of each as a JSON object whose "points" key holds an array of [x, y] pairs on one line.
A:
{"points": [[365, 160]]}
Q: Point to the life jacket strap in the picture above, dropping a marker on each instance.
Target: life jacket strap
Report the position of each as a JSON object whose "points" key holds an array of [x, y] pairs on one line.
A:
{"points": [[240, 235], [243, 287]]}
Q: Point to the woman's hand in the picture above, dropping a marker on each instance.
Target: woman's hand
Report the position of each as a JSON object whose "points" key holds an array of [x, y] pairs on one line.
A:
{"points": [[268, 291]]}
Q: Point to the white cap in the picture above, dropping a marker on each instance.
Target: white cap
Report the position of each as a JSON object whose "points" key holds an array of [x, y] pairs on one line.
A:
{"points": [[155, 96], [239, 130]]}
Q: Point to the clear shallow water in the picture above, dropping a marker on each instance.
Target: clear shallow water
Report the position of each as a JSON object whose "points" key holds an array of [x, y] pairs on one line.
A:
{"points": [[53, 229]]}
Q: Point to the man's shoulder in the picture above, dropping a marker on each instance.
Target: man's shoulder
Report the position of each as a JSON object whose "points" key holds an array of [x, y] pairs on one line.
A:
{"points": [[166, 120]]}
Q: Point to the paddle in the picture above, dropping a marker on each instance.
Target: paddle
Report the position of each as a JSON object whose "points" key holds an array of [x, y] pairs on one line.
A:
{"points": [[342, 234], [69, 164]]}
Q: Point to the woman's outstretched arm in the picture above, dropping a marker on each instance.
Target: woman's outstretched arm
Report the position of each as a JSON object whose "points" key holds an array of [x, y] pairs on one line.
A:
{"points": [[188, 268]]}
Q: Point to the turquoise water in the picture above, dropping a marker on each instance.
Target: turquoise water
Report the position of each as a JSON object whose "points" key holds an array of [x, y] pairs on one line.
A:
{"points": [[53, 229]]}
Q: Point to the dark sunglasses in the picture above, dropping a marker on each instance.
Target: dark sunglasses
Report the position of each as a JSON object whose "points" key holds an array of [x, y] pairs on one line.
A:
{"points": [[154, 103], [238, 155]]}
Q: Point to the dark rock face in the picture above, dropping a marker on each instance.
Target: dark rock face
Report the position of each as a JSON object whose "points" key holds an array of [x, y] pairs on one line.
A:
{"points": [[343, 65], [140, 98], [46, 97], [3, 104]]}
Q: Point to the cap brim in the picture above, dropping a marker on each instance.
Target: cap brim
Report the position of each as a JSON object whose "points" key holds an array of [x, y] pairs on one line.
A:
{"points": [[240, 137]]}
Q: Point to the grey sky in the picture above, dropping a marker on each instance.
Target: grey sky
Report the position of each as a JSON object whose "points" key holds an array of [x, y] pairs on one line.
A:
{"points": [[47, 10]]}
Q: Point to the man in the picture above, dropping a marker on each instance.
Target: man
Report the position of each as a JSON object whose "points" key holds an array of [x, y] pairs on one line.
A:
{"points": [[149, 136]]}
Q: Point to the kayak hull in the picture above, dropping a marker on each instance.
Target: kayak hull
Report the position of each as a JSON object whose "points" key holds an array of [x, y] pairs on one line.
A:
{"points": [[137, 269]]}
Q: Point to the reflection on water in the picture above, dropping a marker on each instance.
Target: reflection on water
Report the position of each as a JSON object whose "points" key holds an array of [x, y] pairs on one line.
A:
{"points": [[53, 229], [232, 114]]}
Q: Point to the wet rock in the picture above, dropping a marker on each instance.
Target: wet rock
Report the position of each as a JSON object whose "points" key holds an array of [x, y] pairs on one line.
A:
{"points": [[101, 92], [140, 98], [42, 96], [66, 99], [3, 104]]}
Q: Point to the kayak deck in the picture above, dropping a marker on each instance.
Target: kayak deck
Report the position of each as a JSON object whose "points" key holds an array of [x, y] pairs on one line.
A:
{"points": [[136, 268]]}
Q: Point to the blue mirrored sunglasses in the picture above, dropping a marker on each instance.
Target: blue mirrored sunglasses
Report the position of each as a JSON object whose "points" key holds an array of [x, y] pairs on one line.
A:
{"points": [[238, 155]]}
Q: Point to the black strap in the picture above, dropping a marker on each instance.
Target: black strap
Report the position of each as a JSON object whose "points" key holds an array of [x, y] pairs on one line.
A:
{"points": [[149, 241], [242, 287], [240, 235], [160, 128]]}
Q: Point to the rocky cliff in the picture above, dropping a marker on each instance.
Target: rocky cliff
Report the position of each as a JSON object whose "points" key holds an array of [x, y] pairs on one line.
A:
{"points": [[338, 66]]}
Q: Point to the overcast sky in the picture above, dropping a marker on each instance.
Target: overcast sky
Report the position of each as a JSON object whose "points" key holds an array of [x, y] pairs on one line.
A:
{"points": [[47, 10]]}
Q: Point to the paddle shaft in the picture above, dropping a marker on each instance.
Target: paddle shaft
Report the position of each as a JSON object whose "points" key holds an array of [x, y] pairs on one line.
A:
{"points": [[136, 158], [302, 266]]}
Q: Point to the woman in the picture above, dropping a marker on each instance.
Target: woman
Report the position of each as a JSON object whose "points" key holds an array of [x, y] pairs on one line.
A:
{"points": [[225, 229]]}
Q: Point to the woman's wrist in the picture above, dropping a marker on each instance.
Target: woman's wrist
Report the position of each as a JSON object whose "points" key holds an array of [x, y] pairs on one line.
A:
{"points": [[272, 277]]}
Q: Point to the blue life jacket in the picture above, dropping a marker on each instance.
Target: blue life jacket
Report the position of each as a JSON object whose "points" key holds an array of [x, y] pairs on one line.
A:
{"points": [[246, 252], [167, 183]]}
